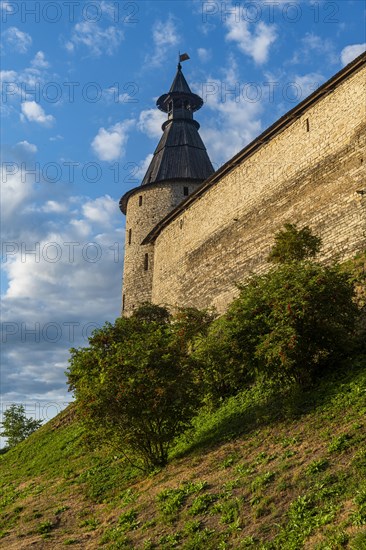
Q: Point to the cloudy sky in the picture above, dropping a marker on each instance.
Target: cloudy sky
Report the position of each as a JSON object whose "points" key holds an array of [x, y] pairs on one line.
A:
{"points": [[79, 86]]}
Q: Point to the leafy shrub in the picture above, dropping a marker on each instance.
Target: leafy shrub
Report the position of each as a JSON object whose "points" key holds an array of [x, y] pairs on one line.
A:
{"points": [[289, 323], [133, 384], [218, 361], [292, 244], [285, 326]]}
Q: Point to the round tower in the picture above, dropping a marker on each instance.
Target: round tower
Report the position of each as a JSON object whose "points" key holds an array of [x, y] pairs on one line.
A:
{"points": [[179, 165]]}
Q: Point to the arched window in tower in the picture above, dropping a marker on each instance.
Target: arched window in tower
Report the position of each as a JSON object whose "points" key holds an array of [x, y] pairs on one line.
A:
{"points": [[146, 262]]}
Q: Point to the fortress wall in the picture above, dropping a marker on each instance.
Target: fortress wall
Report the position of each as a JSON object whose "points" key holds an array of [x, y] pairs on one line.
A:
{"points": [[308, 174]]}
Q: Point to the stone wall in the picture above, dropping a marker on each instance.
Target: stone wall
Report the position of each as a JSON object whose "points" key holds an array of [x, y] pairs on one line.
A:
{"points": [[146, 206], [310, 174]]}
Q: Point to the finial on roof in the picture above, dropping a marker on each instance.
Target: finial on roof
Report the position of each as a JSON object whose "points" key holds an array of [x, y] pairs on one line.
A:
{"points": [[182, 57], [180, 154]]}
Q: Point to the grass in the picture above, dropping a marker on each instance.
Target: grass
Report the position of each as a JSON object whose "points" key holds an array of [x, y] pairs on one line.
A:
{"points": [[265, 471]]}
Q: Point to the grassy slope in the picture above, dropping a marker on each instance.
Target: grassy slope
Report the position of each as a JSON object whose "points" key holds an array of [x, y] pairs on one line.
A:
{"points": [[261, 472]]}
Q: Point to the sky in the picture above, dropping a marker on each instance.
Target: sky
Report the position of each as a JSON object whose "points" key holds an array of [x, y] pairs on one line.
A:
{"points": [[79, 83]]}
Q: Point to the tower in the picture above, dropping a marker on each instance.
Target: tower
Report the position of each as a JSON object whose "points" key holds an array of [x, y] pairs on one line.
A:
{"points": [[179, 165]]}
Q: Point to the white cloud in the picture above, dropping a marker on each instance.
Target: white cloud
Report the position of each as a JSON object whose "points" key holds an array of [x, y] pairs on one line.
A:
{"points": [[69, 46], [253, 39], [58, 137], [15, 190], [33, 112], [26, 83], [349, 53], [54, 207], [307, 84], [8, 76], [150, 122], [100, 210], [39, 61], [314, 44], [94, 38], [110, 144], [142, 169], [17, 40], [165, 33], [62, 290], [235, 120], [165, 36], [204, 54], [27, 147]]}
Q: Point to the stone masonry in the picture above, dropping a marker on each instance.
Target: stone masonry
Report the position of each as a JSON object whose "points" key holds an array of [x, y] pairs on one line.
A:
{"points": [[310, 172]]}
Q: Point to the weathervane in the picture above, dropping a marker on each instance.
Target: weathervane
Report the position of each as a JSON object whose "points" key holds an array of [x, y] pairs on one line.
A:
{"points": [[182, 57]]}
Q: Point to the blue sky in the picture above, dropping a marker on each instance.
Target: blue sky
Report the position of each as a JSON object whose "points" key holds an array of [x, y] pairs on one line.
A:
{"points": [[79, 85]]}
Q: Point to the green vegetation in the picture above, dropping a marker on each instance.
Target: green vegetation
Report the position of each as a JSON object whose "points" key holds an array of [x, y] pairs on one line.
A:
{"points": [[258, 418], [16, 426], [133, 385], [261, 471], [292, 244]]}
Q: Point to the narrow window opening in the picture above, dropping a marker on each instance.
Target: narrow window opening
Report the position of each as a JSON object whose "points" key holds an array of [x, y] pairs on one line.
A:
{"points": [[123, 302], [140, 200], [146, 262], [129, 236], [307, 125], [185, 191]]}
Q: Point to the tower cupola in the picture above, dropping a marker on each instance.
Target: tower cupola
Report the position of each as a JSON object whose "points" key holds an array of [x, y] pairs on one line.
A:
{"points": [[180, 154], [179, 165]]}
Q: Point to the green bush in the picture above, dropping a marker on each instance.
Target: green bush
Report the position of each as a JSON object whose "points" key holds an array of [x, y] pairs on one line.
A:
{"points": [[292, 244], [292, 321], [133, 385], [285, 326], [218, 362]]}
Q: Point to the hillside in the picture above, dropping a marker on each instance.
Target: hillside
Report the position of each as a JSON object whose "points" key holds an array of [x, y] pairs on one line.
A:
{"points": [[264, 471]]}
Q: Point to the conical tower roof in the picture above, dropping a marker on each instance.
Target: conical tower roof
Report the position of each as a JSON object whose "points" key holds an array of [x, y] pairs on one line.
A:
{"points": [[180, 154], [179, 83]]}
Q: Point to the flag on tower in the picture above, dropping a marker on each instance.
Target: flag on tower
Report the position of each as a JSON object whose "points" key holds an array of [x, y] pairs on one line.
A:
{"points": [[183, 57]]}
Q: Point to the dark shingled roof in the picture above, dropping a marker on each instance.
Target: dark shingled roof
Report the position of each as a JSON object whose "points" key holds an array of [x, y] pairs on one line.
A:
{"points": [[179, 83], [180, 154]]}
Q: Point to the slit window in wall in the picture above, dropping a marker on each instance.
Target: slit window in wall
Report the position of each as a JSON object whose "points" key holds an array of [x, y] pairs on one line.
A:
{"points": [[129, 236], [307, 125], [140, 200], [185, 191], [123, 302], [146, 262]]}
